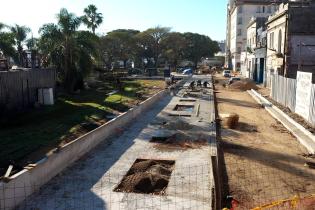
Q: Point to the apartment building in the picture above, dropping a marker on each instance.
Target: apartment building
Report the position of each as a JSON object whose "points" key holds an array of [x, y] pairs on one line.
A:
{"points": [[291, 39], [239, 14], [253, 60]]}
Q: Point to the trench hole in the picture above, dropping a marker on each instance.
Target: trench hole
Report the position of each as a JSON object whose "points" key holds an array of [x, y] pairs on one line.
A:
{"points": [[179, 115], [147, 176], [187, 100], [186, 108]]}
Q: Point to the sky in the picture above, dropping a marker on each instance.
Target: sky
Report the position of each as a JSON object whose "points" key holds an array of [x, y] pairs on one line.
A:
{"points": [[206, 17]]}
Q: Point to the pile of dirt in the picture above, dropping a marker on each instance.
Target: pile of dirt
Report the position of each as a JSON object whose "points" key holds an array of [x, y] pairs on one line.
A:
{"points": [[243, 85], [178, 141], [204, 69], [147, 176]]}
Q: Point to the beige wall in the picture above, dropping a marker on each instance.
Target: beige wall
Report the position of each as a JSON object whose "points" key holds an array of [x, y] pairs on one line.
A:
{"points": [[240, 18]]}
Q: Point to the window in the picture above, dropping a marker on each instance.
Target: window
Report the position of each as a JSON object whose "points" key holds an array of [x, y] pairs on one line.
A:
{"points": [[239, 32], [269, 9], [240, 9], [238, 65], [239, 21], [239, 50], [263, 9], [271, 41], [258, 9], [279, 41]]}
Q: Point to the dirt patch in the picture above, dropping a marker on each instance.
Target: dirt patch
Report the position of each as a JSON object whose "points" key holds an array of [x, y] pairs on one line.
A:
{"points": [[177, 125], [147, 176], [293, 115], [177, 141], [260, 167], [279, 127], [243, 85]]}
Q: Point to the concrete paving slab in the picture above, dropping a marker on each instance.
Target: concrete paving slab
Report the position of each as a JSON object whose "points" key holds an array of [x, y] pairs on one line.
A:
{"points": [[89, 183]]}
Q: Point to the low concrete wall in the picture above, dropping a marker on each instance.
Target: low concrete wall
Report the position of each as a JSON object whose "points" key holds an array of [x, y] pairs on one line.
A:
{"points": [[27, 181]]}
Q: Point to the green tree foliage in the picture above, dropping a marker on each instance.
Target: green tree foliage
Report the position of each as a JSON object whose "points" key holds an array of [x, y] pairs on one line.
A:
{"points": [[119, 45], [173, 46], [91, 18], [150, 41], [68, 49], [32, 43], [7, 42], [198, 46], [20, 35]]}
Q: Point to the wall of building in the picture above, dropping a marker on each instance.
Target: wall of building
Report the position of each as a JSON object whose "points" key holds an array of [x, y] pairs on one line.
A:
{"points": [[240, 17], [19, 88], [276, 30]]}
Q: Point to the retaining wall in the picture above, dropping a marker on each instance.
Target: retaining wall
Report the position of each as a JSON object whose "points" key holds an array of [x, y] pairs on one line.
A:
{"points": [[27, 181]]}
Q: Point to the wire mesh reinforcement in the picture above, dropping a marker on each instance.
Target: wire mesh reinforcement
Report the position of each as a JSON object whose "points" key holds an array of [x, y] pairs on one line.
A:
{"points": [[189, 187], [267, 184]]}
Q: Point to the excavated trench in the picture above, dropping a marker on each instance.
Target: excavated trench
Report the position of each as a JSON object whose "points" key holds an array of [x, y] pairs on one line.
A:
{"points": [[147, 176]]}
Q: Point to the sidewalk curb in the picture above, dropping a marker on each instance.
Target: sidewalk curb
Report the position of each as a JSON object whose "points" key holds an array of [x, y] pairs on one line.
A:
{"points": [[310, 146]]}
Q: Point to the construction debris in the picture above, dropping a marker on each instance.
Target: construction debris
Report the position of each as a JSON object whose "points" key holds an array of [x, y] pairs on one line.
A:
{"points": [[243, 85]]}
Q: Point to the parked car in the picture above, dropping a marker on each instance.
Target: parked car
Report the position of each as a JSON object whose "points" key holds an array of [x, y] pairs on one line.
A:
{"points": [[187, 71], [226, 73], [233, 79]]}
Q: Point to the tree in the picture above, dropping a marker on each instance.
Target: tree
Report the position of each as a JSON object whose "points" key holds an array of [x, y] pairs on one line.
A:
{"points": [[150, 41], [92, 19], [20, 35], [32, 43], [173, 47], [6, 42], [199, 46], [120, 45], [68, 49]]}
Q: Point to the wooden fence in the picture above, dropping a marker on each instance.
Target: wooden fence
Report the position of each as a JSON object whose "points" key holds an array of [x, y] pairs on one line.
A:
{"points": [[19, 88]]}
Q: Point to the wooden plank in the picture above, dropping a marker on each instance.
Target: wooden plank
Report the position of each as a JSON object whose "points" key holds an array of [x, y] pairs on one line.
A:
{"points": [[18, 89], [7, 174]]}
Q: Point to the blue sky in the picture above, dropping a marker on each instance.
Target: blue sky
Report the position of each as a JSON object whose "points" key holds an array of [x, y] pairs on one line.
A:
{"points": [[201, 16]]}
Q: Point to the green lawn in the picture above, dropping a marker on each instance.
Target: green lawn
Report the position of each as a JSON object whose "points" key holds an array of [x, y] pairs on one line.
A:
{"points": [[31, 135]]}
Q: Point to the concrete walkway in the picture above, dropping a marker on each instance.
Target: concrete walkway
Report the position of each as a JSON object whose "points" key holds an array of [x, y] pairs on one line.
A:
{"points": [[89, 183]]}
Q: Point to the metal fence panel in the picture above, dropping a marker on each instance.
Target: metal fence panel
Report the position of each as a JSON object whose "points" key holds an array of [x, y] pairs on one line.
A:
{"points": [[283, 91], [291, 94], [312, 107]]}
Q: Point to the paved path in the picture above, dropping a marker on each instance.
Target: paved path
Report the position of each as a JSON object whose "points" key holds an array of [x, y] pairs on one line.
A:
{"points": [[89, 183]]}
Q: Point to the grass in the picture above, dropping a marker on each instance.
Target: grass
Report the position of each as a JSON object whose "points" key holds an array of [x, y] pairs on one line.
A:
{"points": [[31, 135]]}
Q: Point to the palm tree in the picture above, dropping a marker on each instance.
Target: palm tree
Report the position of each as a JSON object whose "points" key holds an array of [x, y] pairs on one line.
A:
{"points": [[69, 50], [20, 34], [92, 19], [6, 42]]}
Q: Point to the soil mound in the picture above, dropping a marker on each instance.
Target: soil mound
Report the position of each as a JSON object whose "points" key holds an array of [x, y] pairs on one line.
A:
{"points": [[243, 85], [178, 141], [147, 176]]}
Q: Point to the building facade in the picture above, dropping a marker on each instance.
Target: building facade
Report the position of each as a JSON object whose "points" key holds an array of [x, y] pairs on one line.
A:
{"points": [[253, 59], [239, 14], [291, 40]]}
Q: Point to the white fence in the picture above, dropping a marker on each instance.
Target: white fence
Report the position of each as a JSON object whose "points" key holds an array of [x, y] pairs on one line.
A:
{"points": [[283, 91]]}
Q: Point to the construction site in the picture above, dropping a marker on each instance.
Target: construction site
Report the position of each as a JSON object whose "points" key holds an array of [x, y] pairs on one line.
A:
{"points": [[199, 144], [159, 160]]}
